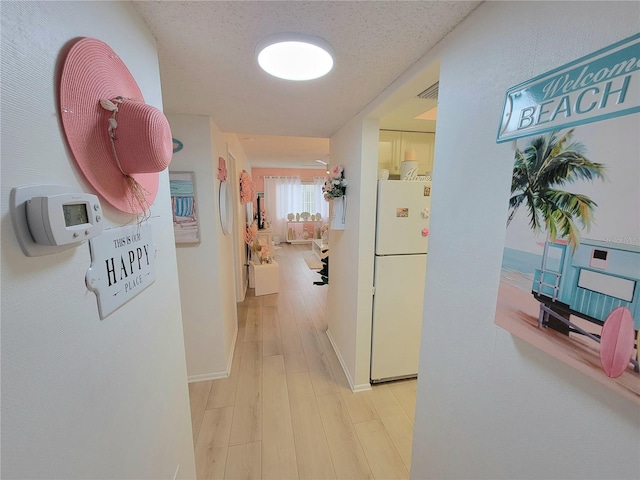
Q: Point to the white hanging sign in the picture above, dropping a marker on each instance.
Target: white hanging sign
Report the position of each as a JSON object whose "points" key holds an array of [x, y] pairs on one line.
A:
{"points": [[122, 265]]}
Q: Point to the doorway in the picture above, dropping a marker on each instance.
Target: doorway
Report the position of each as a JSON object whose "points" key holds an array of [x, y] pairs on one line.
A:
{"points": [[240, 271]]}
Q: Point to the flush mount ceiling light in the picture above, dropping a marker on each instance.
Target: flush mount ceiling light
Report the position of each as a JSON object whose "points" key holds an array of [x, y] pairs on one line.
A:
{"points": [[295, 56]]}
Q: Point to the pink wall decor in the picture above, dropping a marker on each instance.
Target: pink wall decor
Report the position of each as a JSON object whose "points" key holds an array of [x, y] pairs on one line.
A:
{"points": [[616, 342], [222, 169], [247, 191]]}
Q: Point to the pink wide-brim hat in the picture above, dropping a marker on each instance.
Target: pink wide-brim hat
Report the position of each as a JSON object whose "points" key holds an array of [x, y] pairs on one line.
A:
{"points": [[142, 139]]}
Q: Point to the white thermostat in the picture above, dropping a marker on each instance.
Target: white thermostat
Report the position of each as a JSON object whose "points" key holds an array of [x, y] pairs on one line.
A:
{"points": [[64, 218], [52, 218]]}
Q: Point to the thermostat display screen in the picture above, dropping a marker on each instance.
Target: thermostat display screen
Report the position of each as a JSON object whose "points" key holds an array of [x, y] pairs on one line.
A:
{"points": [[75, 214]]}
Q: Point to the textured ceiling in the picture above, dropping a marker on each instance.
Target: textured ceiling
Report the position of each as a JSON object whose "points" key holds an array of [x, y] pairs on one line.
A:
{"points": [[208, 67]]}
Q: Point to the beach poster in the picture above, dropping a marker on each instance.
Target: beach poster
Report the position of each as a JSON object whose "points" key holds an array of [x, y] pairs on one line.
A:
{"points": [[571, 260]]}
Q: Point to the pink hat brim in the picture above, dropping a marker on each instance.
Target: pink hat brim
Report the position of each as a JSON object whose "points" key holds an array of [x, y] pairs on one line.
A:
{"points": [[92, 71]]}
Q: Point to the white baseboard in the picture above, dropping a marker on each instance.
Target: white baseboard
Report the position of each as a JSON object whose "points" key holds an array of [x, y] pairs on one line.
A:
{"points": [[203, 377], [354, 388], [363, 387], [233, 349]]}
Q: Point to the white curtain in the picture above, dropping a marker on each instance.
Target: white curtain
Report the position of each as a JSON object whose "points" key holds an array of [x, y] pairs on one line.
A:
{"points": [[322, 206], [282, 195]]}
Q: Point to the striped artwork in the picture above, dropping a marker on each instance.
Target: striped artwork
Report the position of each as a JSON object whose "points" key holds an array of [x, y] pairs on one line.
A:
{"points": [[183, 207]]}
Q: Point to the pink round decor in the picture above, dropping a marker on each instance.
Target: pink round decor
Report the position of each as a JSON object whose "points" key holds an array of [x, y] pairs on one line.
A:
{"points": [[616, 342]]}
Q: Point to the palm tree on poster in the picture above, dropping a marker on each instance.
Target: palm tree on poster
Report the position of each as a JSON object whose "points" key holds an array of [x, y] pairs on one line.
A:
{"points": [[549, 162]]}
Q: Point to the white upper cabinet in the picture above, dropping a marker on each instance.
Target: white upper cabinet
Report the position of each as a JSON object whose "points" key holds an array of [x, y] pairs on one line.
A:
{"points": [[393, 144], [389, 150]]}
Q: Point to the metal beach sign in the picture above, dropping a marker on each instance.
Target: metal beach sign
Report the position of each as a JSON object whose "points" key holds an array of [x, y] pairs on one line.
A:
{"points": [[602, 85], [122, 265]]}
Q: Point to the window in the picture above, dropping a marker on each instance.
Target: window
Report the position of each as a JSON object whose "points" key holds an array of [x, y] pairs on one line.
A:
{"points": [[286, 195], [308, 198]]}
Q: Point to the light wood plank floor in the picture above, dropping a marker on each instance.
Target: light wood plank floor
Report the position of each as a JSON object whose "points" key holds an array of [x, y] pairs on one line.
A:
{"points": [[286, 410]]}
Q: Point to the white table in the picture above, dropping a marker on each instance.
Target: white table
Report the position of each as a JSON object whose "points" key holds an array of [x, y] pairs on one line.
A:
{"points": [[321, 250]]}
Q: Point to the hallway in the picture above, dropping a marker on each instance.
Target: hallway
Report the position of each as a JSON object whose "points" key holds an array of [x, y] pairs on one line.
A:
{"points": [[286, 410]]}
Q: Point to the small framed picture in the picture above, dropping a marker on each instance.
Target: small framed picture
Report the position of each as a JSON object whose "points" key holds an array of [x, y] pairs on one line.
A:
{"points": [[184, 207], [427, 191]]}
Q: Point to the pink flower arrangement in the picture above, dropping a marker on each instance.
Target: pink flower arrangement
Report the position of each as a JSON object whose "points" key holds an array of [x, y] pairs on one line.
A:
{"points": [[336, 185], [246, 188], [263, 253], [263, 218], [250, 233], [258, 250]]}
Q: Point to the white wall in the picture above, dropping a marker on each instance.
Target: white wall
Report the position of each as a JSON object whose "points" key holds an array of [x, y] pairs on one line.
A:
{"points": [[207, 295], [82, 397], [488, 404], [351, 261], [507, 408]]}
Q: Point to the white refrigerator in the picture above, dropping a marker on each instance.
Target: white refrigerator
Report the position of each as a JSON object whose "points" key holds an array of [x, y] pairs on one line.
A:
{"points": [[399, 274]]}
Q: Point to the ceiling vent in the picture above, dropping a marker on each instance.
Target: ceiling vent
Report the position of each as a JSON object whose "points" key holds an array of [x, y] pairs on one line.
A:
{"points": [[431, 92]]}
